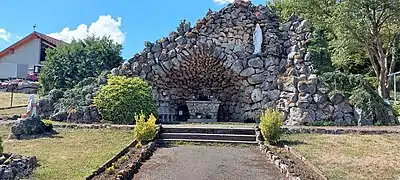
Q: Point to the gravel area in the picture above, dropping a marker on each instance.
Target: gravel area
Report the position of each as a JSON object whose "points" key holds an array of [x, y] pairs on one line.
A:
{"points": [[208, 163]]}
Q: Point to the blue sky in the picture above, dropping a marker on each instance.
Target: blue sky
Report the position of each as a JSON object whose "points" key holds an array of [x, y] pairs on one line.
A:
{"points": [[130, 22]]}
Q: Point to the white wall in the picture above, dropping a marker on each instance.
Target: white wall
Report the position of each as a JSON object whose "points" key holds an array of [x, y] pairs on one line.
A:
{"points": [[28, 54]]}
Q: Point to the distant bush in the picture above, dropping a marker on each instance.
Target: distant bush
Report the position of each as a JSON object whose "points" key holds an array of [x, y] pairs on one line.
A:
{"points": [[270, 125], [145, 130], [122, 98]]}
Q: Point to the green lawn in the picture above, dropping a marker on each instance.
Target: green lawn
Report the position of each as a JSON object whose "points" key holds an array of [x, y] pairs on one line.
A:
{"points": [[18, 99], [351, 156], [72, 154]]}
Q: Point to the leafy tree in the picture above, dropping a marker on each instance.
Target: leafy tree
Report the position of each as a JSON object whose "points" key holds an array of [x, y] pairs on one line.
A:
{"points": [[68, 64], [360, 32], [374, 25]]}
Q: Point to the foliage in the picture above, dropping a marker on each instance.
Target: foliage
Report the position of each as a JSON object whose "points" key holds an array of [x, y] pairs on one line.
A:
{"points": [[48, 125], [111, 170], [396, 108], [270, 125], [373, 81], [124, 97], [145, 130], [318, 48], [68, 64], [360, 93], [81, 95], [362, 35]]}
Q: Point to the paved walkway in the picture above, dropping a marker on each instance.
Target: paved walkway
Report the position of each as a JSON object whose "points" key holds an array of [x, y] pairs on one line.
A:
{"points": [[208, 163]]}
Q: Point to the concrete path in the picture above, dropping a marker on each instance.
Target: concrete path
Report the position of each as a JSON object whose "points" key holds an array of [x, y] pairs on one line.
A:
{"points": [[208, 163]]}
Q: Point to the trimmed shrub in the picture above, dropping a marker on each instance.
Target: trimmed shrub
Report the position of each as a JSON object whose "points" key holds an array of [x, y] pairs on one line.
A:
{"points": [[122, 98], [145, 130], [270, 125]]}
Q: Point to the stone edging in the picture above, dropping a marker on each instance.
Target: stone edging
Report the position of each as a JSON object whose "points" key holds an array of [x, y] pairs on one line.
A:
{"points": [[93, 126], [128, 171], [283, 168], [304, 160], [336, 130], [112, 160]]}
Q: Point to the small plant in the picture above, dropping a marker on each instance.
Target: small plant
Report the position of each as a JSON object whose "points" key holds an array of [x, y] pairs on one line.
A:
{"points": [[48, 125], [270, 125], [145, 130], [111, 169]]}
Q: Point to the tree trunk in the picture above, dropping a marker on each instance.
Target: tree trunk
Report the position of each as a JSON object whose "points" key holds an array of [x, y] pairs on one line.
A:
{"points": [[383, 89]]}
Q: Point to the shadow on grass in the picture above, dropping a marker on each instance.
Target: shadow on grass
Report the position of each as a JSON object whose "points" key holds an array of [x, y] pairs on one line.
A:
{"points": [[282, 143]]}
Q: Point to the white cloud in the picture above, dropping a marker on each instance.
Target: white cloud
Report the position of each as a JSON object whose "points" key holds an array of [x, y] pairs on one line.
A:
{"points": [[225, 1], [5, 35], [104, 26]]}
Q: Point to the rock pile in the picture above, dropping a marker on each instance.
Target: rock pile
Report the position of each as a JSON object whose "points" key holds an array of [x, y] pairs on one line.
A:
{"points": [[74, 105], [16, 167], [28, 128], [303, 97], [20, 86]]}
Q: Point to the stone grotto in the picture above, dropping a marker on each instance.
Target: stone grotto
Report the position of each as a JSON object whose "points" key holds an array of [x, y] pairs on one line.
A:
{"points": [[216, 58]]}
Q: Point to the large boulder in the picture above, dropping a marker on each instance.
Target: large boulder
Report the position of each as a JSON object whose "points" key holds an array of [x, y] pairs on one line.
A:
{"points": [[27, 127]]}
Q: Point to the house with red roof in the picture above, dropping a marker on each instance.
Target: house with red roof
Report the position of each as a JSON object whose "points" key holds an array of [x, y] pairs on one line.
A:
{"points": [[25, 56]]}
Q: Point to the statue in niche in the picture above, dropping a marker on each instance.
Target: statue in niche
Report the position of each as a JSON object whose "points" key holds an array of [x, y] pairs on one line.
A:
{"points": [[257, 39]]}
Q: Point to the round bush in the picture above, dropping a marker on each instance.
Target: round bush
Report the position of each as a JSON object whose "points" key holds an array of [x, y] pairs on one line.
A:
{"points": [[123, 98]]}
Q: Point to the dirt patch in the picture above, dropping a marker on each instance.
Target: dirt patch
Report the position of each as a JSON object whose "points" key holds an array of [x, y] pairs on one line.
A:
{"points": [[295, 165], [122, 163]]}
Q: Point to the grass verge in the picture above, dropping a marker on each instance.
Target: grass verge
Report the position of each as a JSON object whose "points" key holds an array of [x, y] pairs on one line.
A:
{"points": [[351, 156], [10, 112], [19, 99], [72, 154]]}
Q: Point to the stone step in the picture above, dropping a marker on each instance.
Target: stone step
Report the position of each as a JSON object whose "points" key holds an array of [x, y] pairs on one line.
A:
{"points": [[207, 141], [227, 137], [242, 131]]}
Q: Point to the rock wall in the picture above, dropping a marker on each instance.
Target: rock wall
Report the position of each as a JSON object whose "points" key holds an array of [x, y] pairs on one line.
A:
{"points": [[303, 97], [215, 58], [20, 86]]}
